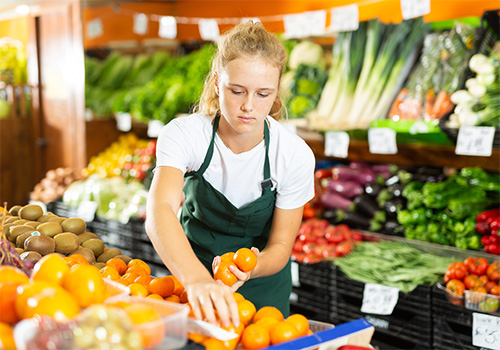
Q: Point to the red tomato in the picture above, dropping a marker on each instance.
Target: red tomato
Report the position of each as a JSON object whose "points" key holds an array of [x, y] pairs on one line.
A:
{"points": [[318, 232], [476, 266], [309, 247], [489, 285], [311, 258], [483, 279], [298, 246], [356, 235], [472, 282], [456, 286], [495, 290], [309, 213], [457, 270], [334, 237], [493, 272], [343, 248]]}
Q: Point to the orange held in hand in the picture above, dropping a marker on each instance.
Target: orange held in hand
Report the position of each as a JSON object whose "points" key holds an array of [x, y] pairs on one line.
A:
{"points": [[245, 259], [222, 272]]}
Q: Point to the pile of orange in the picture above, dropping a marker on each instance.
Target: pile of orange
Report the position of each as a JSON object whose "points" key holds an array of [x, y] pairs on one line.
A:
{"points": [[244, 259]]}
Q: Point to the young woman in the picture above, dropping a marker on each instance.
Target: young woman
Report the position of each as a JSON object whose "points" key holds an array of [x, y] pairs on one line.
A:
{"points": [[245, 179]]}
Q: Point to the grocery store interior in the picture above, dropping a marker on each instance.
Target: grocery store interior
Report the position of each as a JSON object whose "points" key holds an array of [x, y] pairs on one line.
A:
{"points": [[399, 100]]}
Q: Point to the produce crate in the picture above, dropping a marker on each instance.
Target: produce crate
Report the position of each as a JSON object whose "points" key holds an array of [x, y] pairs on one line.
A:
{"points": [[409, 326], [65, 211]]}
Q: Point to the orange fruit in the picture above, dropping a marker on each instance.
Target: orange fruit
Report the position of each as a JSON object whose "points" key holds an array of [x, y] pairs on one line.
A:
{"points": [[231, 344], [138, 270], [148, 323], [222, 272], [109, 272], [268, 311], [255, 337], [130, 277], [238, 297], [266, 322], [198, 338], [144, 280], [178, 287], [141, 263], [50, 268], [86, 284], [245, 259], [8, 303], [300, 322], [74, 259], [25, 291], [7, 336], [184, 297], [282, 332], [246, 310], [12, 274], [163, 286], [54, 302], [173, 299], [213, 344], [122, 281], [155, 296], [227, 256], [118, 264], [138, 290]]}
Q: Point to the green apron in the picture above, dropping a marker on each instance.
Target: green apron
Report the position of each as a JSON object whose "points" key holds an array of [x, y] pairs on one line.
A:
{"points": [[215, 226]]}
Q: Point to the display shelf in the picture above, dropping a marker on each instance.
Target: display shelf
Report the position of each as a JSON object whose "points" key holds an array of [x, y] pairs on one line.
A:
{"points": [[408, 154]]}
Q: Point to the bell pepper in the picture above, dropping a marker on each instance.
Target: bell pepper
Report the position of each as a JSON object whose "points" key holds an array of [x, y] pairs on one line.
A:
{"points": [[479, 177], [474, 242], [488, 214]]}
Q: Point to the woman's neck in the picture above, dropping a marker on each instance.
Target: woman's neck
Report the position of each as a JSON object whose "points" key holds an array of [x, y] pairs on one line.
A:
{"points": [[238, 142]]}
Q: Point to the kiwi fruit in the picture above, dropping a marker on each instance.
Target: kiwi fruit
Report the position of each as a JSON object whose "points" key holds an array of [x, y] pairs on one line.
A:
{"points": [[19, 250], [21, 238], [66, 242], [125, 258], [45, 217], [33, 224], [108, 254], [33, 256], [41, 244], [99, 265], [94, 244], [87, 253], [56, 218], [6, 229], [14, 210], [86, 236], [49, 229], [30, 212], [75, 225], [16, 231], [11, 219], [20, 222]]}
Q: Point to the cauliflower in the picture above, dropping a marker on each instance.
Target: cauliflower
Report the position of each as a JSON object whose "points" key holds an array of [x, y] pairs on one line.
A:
{"points": [[306, 52]]}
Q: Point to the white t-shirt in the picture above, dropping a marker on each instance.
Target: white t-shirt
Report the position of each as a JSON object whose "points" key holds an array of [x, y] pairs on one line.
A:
{"points": [[183, 144]]}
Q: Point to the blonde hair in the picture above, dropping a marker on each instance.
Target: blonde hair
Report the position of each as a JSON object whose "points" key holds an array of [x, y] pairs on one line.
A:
{"points": [[247, 39]]}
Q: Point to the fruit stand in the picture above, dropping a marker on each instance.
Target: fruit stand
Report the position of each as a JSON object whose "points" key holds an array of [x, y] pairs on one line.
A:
{"points": [[399, 248]]}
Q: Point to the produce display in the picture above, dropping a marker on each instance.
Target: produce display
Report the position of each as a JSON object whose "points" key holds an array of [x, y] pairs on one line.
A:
{"points": [[54, 184], [487, 225]]}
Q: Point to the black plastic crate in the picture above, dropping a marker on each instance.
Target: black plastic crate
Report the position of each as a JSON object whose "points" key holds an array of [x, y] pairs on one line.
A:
{"points": [[410, 322], [304, 304], [133, 229], [315, 275]]}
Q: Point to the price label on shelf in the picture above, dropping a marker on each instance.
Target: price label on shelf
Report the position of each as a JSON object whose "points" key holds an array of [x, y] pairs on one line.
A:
{"points": [[305, 24], [41, 204], [140, 24], [415, 8], [168, 27], [379, 299], [295, 274], [94, 28], [209, 29], [86, 210], [336, 144], [475, 140], [345, 18], [154, 128], [486, 331], [382, 141], [123, 122]]}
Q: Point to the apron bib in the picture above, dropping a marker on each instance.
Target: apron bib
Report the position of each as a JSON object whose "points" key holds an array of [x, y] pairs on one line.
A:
{"points": [[215, 226]]}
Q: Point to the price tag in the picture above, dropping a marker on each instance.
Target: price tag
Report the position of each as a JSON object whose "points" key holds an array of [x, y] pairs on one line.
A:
{"points": [[382, 141], [415, 8], [336, 144], [209, 29], [486, 331], [154, 128], [378, 299], [345, 18], [86, 210], [94, 28], [475, 140], [305, 24], [123, 122], [140, 23], [41, 204], [168, 27], [295, 274]]}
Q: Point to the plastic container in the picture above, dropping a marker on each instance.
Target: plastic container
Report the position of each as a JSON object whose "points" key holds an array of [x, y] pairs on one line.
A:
{"points": [[482, 302], [115, 289], [452, 297], [173, 322]]}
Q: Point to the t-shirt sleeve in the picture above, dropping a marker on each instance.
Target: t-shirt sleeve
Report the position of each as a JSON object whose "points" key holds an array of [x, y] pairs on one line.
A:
{"points": [[173, 147], [298, 183]]}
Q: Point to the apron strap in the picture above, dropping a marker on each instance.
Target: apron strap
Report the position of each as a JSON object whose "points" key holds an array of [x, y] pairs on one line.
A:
{"points": [[210, 151]]}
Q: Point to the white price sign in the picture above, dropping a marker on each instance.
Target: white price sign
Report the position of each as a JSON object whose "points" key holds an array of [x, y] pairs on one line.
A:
{"points": [[486, 331], [345, 18], [123, 122], [168, 27], [382, 141], [336, 144], [41, 204], [209, 29], [140, 23], [295, 274], [415, 8], [94, 28], [305, 24], [475, 140], [154, 128], [86, 210], [379, 299]]}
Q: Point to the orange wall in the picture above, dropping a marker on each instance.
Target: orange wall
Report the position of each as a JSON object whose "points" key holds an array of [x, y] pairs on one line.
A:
{"points": [[117, 24], [16, 29]]}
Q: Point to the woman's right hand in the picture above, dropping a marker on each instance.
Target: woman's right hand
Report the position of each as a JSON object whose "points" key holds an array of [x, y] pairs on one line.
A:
{"points": [[209, 298]]}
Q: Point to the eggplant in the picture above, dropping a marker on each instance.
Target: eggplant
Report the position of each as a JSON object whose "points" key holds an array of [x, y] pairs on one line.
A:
{"points": [[334, 200], [401, 177], [396, 190], [385, 168], [373, 189], [359, 165], [392, 227], [361, 176], [366, 206], [391, 207], [351, 219], [348, 189]]}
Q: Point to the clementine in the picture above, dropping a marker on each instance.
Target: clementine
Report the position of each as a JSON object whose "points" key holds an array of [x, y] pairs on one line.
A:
{"points": [[227, 256], [7, 336], [118, 264], [255, 337], [155, 296], [25, 291], [222, 273], [50, 268], [178, 287], [245, 259], [238, 296], [266, 322], [10, 273], [109, 272], [246, 310], [141, 263], [54, 302], [147, 322], [300, 322], [268, 311], [138, 290], [74, 259], [86, 283], [173, 299], [184, 297], [282, 332], [8, 303], [163, 286], [144, 280], [138, 270]]}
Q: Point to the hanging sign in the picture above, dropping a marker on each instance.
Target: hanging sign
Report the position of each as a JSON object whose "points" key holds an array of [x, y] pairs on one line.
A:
{"points": [[140, 23], [382, 141], [209, 29], [336, 144], [305, 24], [94, 28], [379, 299], [154, 128], [123, 122], [345, 18], [475, 140], [485, 331], [295, 274], [415, 8], [168, 27]]}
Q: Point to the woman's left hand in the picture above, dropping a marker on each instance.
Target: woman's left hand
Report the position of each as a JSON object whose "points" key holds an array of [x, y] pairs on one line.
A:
{"points": [[240, 275]]}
